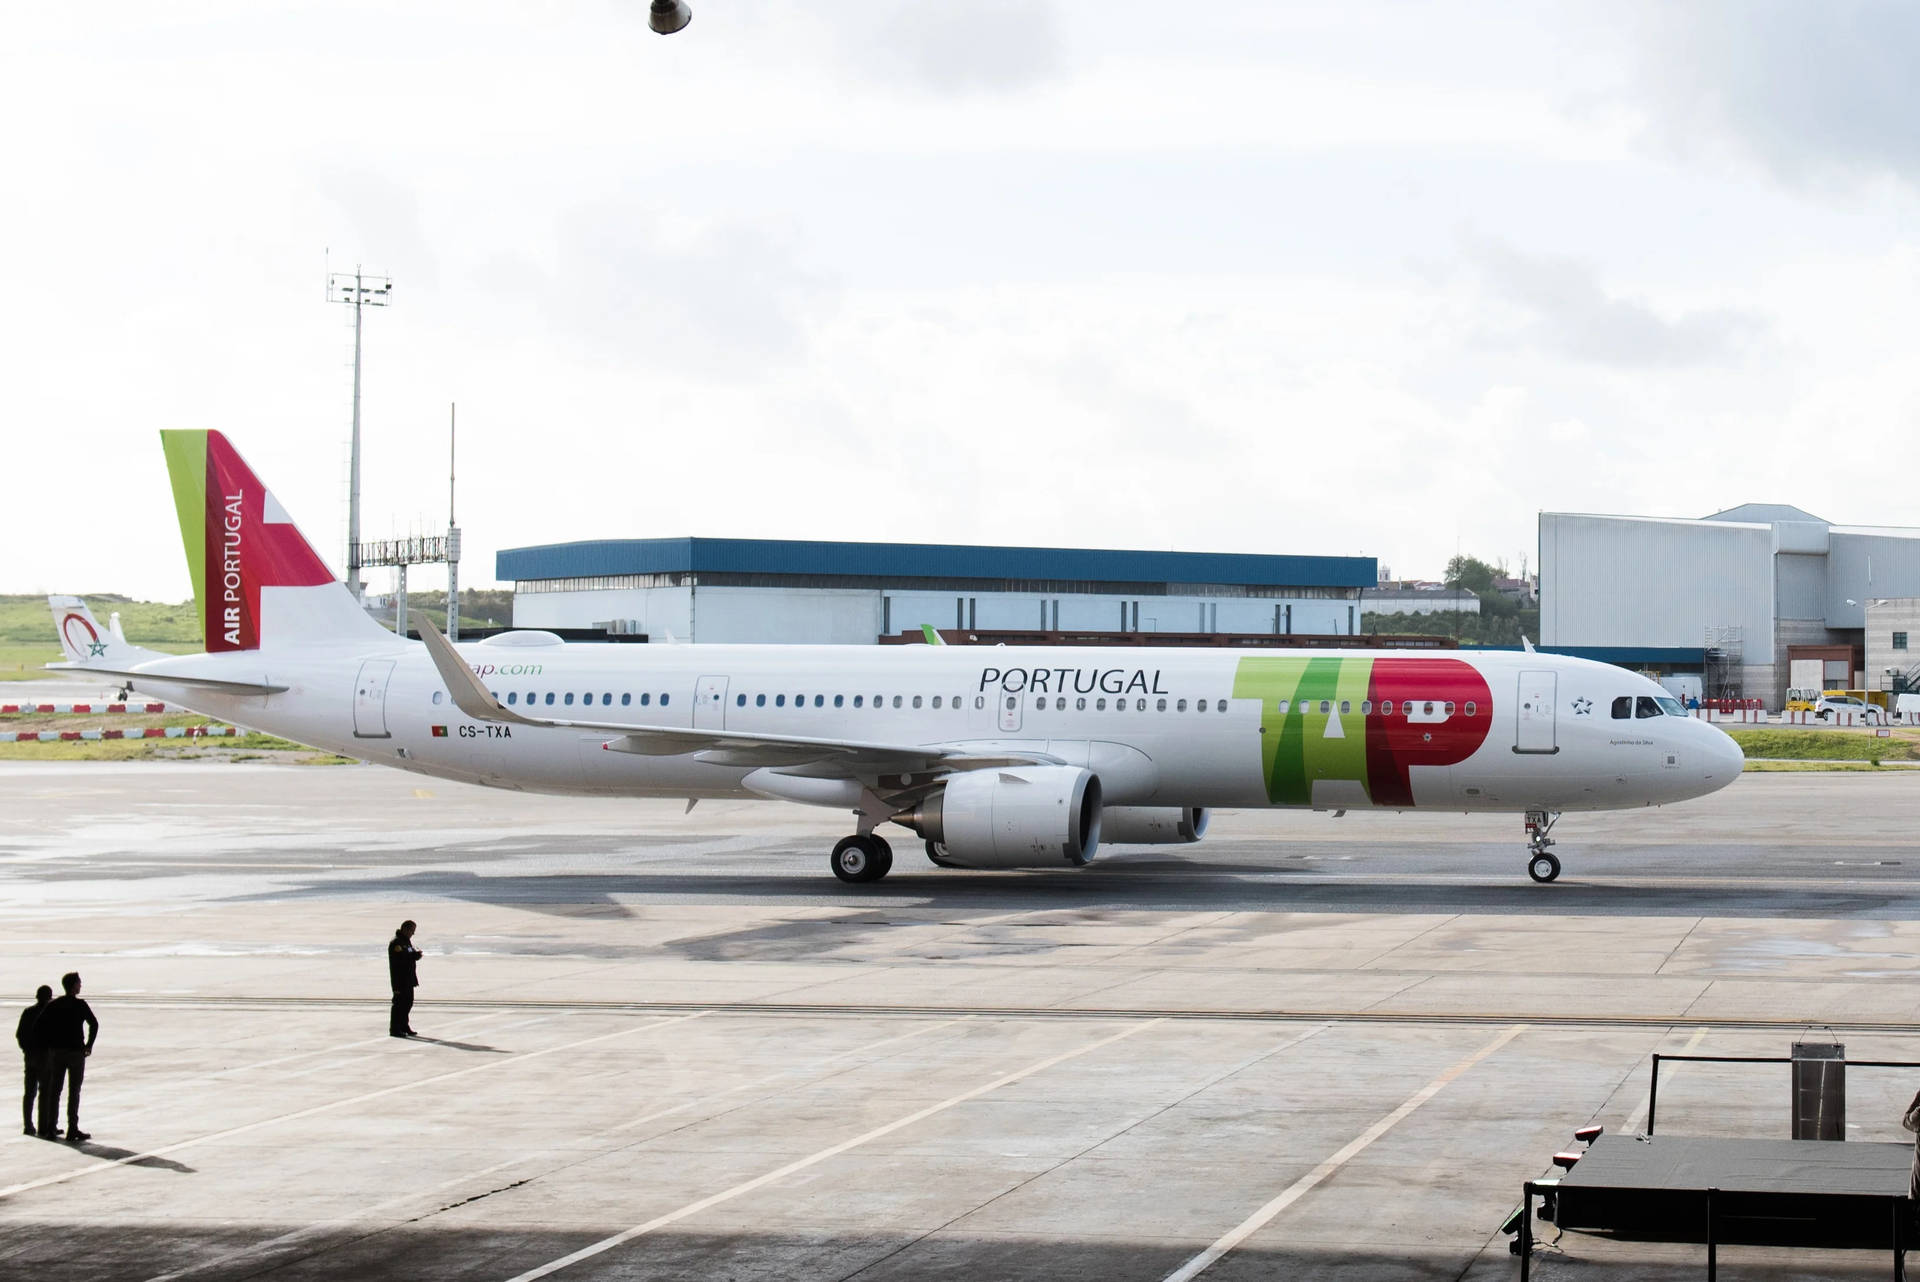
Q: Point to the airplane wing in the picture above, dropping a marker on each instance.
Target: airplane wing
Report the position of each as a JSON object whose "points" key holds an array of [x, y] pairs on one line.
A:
{"points": [[845, 758]]}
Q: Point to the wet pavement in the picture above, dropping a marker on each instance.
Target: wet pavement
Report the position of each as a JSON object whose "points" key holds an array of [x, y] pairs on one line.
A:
{"points": [[665, 1045]]}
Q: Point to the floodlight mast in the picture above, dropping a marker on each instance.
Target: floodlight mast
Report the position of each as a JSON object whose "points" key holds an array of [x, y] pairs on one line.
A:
{"points": [[360, 291]]}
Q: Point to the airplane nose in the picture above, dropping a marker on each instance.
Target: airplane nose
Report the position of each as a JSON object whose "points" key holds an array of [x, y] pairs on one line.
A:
{"points": [[1725, 760]]}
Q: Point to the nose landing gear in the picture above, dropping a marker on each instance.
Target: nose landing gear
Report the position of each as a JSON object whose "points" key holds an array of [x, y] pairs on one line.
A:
{"points": [[1541, 866]]}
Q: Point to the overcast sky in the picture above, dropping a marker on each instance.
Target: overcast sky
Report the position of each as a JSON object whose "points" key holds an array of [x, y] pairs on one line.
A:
{"points": [[1354, 278]]}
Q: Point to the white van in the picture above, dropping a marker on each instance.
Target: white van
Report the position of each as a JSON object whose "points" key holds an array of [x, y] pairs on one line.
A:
{"points": [[1906, 708]]}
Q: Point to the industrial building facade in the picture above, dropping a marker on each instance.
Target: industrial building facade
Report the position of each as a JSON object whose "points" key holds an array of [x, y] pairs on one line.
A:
{"points": [[1747, 598], [780, 591]]}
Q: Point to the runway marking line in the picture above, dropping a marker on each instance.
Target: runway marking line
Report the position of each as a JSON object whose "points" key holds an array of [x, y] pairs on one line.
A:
{"points": [[164, 1149], [1306, 1183], [1639, 1114], [800, 1164]]}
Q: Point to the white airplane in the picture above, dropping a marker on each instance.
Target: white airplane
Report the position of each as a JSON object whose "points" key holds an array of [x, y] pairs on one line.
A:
{"points": [[996, 757]]}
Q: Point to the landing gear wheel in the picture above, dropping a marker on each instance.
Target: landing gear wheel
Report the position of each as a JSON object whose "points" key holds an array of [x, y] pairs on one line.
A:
{"points": [[862, 859], [937, 855], [1543, 868]]}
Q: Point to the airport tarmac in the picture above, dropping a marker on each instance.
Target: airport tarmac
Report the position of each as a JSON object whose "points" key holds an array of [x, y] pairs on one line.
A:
{"points": [[669, 1045]]}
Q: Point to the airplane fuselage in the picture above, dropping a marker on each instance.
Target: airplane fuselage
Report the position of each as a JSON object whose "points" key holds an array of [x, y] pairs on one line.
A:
{"points": [[1327, 729]]}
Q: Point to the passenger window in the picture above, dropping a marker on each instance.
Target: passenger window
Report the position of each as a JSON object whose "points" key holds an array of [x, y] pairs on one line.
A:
{"points": [[740, 701], [1448, 708], [1161, 706], [1346, 706], [1220, 705], [569, 699], [1472, 708], [1623, 707], [779, 700], [957, 703], [436, 696], [1646, 706], [936, 700], [896, 700], [1366, 707], [1041, 704], [1326, 706], [1386, 708], [859, 700], [626, 699], [1010, 701], [549, 698], [1182, 706], [1139, 705], [511, 696], [1426, 709], [532, 698], [1281, 707], [759, 700], [1079, 705], [839, 700], [645, 699], [665, 699], [1099, 705], [979, 700], [916, 700]]}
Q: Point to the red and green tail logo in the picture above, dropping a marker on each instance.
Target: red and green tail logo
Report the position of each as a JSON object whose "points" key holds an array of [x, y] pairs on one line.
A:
{"points": [[238, 539]]}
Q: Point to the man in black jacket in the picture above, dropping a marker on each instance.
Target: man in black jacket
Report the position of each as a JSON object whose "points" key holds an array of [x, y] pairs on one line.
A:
{"points": [[34, 1047], [66, 1057], [402, 957]]}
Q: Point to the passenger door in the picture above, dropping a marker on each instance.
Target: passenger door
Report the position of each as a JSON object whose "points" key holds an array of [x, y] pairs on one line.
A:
{"points": [[710, 704], [1534, 713], [370, 699]]}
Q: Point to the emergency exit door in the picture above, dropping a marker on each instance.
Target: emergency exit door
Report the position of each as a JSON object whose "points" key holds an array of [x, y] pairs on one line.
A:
{"points": [[1533, 710], [370, 699], [710, 704], [1009, 711]]}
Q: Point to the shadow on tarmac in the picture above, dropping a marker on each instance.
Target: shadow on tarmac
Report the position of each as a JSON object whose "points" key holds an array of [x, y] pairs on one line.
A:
{"points": [[108, 1153], [1160, 884], [459, 1046], [75, 1251]]}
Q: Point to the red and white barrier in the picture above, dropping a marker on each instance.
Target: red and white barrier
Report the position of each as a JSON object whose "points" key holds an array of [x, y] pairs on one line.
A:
{"points": [[151, 732], [69, 709]]}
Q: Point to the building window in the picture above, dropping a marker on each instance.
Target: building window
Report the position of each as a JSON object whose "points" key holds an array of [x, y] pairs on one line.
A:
{"points": [[1899, 640]]}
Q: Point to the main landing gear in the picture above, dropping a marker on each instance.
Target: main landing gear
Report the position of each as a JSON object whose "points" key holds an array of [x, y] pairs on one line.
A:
{"points": [[1541, 866], [862, 858]]}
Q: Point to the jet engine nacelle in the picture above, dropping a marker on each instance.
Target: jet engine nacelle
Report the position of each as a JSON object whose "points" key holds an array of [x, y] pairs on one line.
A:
{"points": [[1153, 825], [1014, 817]]}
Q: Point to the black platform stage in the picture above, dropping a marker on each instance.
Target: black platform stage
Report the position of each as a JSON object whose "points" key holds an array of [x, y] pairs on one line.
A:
{"points": [[1676, 1188]]}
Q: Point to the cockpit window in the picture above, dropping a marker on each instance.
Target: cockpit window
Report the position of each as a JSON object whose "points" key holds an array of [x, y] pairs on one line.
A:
{"points": [[1671, 706], [1623, 707], [1646, 706]]}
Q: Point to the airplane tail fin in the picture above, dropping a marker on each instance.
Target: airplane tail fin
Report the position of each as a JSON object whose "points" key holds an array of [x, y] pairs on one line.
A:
{"points": [[256, 582], [87, 643]]}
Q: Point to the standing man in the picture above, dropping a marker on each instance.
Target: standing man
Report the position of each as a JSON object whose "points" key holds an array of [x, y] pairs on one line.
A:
{"points": [[34, 1047], [402, 957], [66, 1060], [1912, 1122]]}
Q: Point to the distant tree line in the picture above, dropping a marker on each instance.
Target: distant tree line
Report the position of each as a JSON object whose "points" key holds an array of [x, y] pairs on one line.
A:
{"points": [[1501, 621]]}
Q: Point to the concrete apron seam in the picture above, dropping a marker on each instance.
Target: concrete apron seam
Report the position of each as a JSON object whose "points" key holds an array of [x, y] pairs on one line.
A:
{"points": [[299, 1237], [12, 1189], [1306, 1183], [1639, 1114], [780, 1173]]}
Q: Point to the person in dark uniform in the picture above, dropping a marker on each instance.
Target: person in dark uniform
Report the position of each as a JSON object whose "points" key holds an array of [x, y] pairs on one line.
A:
{"points": [[1912, 1122], [34, 1048], [402, 958], [66, 1057]]}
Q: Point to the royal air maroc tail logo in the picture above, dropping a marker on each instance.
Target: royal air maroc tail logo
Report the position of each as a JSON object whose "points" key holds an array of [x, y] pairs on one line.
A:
{"points": [[80, 636], [1364, 720]]}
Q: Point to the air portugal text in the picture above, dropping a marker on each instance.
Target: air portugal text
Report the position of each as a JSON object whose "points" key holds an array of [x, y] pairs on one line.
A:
{"points": [[1073, 680], [230, 571]]}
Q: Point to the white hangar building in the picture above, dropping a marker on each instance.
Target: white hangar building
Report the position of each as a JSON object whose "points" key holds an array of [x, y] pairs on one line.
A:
{"points": [[759, 591], [1747, 597]]}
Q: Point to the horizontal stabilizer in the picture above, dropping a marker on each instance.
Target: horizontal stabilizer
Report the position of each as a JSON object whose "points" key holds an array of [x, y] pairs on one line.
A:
{"points": [[135, 677]]}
